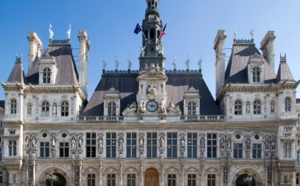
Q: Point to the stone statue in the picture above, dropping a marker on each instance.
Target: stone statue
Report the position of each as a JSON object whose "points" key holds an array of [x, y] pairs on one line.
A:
{"points": [[33, 142], [228, 143], [234, 34], [252, 34], [248, 107], [182, 142], [27, 144], [80, 142], [121, 142], [129, 64], [187, 62], [73, 143], [162, 108], [151, 91], [200, 63], [69, 32], [142, 107], [248, 143], [54, 109], [117, 64], [267, 143], [174, 64], [273, 144], [53, 141], [104, 64], [131, 107], [162, 142], [50, 32], [100, 143], [143, 50], [222, 143], [141, 142], [202, 143]]}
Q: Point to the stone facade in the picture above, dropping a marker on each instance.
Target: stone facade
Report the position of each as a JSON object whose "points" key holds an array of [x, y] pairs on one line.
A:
{"points": [[153, 126]]}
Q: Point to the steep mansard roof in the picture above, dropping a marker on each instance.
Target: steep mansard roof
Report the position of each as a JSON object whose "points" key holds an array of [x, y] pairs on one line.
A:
{"points": [[284, 73], [127, 85], [17, 73], [236, 71], [67, 71]]}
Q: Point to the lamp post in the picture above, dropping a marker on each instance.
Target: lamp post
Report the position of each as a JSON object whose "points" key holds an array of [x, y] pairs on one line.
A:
{"points": [[52, 178]]}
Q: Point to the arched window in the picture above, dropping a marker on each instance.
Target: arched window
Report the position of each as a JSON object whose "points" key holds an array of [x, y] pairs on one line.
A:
{"points": [[288, 104], [46, 75], [256, 74], [238, 107], [191, 108], [45, 108], [64, 108], [152, 34], [29, 109], [257, 107], [112, 109], [13, 106]]}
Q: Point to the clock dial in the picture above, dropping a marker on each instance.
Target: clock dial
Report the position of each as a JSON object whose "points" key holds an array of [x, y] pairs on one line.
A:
{"points": [[152, 106]]}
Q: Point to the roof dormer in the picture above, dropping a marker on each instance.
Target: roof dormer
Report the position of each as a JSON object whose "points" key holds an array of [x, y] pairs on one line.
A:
{"points": [[47, 69], [255, 69], [112, 104]]}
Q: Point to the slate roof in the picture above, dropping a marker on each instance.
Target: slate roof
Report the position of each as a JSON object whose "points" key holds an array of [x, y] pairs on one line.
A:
{"points": [[127, 85], [67, 71], [236, 71], [284, 72], [17, 73]]}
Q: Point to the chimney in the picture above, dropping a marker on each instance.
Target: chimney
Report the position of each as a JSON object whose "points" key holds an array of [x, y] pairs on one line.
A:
{"points": [[83, 60], [35, 48], [220, 60], [267, 47]]}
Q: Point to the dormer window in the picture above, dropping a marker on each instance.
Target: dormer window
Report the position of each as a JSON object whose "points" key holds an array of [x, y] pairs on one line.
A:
{"points": [[112, 109], [13, 106], [256, 75], [238, 107], [46, 75], [257, 107], [288, 104], [191, 108], [45, 108], [65, 108]]}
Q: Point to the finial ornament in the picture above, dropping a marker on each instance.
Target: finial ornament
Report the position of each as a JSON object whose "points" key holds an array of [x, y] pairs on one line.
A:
{"points": [[117, 63], [69, 32], [200, 63], [252, 34], [129, 64], [174, 63], [187, 62], [103, 63], [50, 32], [234, 33]]}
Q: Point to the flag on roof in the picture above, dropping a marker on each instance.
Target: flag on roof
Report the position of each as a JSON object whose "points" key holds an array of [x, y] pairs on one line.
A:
{"points": [[163, 32], [137, 29]]}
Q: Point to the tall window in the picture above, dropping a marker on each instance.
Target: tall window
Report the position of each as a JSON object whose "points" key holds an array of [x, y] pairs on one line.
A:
{"points": [[298, 156], [111, 180], [46, 75], [256, 74], [192, 145], [131, 180], [111, 145], [191, 179], [112, 109], [238, 150], [191, 108], [44, 149], [64, 108], [13, 106], [238, 107], [64, 149], [288, 104], [90, 145], [29, 109], [257, 107], [151, 145], [256, 151], [211, 180], [45, 108], [171, 179], [1, 177], [211, 145], [12, 148], [131, 145], [0, 153], [91, 179], [172, 145], [288, 150]]}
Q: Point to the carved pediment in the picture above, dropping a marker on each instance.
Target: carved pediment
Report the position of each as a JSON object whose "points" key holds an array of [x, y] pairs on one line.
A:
{"points": [[152, 72]]}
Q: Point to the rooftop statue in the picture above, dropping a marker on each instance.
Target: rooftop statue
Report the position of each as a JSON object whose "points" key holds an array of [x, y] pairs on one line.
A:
{"points": [[69, 32], [50, 32]]}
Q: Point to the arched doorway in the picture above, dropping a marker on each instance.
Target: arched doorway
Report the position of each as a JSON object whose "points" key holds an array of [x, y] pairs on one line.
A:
{"points": [[151, 177], [55, 179], [245, 180]]}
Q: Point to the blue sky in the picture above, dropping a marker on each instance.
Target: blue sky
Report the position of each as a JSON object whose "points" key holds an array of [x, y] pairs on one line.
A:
{"points": [[192, 27]]}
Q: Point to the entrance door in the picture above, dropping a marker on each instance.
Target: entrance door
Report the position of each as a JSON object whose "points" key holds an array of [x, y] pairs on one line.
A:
{"points": [[55, 179], [245, 180], [151, 177]]}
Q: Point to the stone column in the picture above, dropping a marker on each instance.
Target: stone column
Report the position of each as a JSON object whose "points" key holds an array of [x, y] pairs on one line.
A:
{"points": [[33, 170], [100, 172], [121, 172], [162, 172], [142, 175]]}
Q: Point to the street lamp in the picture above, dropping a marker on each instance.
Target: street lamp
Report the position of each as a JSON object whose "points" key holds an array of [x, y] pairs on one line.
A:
{"points": [[52, 178], [248, 179]]}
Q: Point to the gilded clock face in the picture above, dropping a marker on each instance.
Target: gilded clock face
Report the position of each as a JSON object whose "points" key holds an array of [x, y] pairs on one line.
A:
{"points": [[152, 106]]}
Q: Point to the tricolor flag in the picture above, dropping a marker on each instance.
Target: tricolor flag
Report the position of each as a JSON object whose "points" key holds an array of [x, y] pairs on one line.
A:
{"points": [[137, 29], [163, 32]]}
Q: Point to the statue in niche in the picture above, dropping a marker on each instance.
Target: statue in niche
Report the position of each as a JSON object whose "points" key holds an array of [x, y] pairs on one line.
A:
{"points": [[222, 143], [182, 142], [53, 141], [100, 143], [27, 144], [33, 142], [151, 91], [273, 144], [267, 143], [248, 143], [54, 109], [202, 143], [73, 143], [141, 142], [228, 143], [121, 142], [80, 141], [162, 142], [248, 107]]}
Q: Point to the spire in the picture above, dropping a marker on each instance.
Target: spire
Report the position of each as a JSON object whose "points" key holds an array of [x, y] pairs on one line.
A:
{"points": [[284, 72]]}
